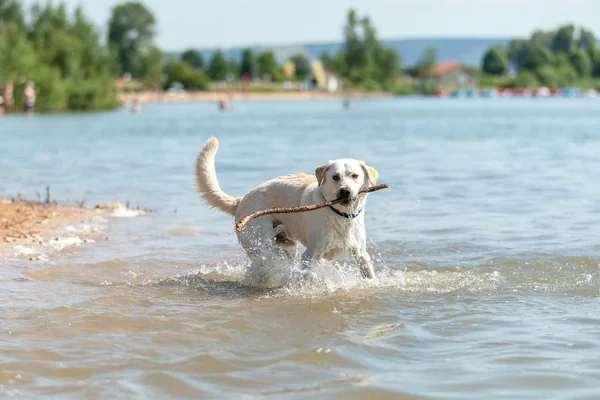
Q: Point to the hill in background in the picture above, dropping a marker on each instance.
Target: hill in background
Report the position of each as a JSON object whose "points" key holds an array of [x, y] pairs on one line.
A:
{"points": [[467, 50]]}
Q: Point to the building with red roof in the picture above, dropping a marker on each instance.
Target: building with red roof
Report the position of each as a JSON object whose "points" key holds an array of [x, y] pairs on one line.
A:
{"points": [[451, 73]]}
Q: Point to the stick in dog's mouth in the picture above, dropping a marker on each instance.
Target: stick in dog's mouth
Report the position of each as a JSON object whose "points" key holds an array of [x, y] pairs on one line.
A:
{"points": [[287, 210]]}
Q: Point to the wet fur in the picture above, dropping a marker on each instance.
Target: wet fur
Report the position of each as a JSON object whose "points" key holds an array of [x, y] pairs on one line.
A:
{"points": [[269, 239]]}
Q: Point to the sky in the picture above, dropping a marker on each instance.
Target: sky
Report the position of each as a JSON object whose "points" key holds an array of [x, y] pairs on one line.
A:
{"points": [[230, 23]]}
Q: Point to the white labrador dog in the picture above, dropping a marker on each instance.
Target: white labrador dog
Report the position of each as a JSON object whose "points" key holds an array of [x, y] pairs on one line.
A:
{"points": [[326, 233]]}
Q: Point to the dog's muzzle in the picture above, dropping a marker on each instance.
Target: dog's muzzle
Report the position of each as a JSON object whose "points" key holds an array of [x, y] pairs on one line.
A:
{"points": [[345, 195]]}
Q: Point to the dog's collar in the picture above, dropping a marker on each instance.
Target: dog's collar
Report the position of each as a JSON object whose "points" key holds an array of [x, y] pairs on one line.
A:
{"points": [[341, 213], [345, 215]]}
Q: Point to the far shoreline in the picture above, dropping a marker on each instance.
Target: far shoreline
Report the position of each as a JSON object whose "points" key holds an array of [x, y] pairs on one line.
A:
{"points": [[215, 96]]}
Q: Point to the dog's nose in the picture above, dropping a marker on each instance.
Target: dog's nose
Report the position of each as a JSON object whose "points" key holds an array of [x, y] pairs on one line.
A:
{"points": [[344, 193]]}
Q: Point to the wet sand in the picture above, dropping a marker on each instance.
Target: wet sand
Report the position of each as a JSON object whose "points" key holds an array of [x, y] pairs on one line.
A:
{"points": [[28, 224], [22, 221]]}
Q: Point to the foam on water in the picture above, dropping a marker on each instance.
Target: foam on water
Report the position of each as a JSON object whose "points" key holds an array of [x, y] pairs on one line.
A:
{"points": [[570, 275]]}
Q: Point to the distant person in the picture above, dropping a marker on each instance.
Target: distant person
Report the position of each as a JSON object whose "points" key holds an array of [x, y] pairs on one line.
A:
{"points": [[137, 107], [1, 106], [8, 96], [30, 96], [346, 104], [223, 105]]}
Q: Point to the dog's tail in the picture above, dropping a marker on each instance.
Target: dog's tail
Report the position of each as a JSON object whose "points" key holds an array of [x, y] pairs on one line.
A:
{"points": [[207, 182]]}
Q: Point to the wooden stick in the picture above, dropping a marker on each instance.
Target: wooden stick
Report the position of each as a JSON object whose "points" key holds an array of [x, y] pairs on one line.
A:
{"points": [[287, 210]]}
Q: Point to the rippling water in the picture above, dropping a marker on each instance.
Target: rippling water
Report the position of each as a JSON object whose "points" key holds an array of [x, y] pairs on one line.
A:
{"points": [[486, 252]]}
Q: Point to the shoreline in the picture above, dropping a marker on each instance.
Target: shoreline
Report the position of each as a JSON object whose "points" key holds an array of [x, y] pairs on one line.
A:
{"points": [[32, 229], [215, 96]]}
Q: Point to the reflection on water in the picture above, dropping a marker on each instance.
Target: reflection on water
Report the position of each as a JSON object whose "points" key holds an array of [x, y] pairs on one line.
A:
{"points": [[485, 249]]}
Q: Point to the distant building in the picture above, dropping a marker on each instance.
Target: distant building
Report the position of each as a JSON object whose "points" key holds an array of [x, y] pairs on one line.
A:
{"points": [[324, 79], [332, 82], [452, 73]]}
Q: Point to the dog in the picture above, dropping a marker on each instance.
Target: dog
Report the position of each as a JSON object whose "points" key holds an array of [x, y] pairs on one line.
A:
{"points": [[326, 233]]}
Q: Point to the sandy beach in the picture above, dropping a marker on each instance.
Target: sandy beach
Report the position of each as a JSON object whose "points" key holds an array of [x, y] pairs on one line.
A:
{"points": [[25, 225], [214, 96], [21, 222]]}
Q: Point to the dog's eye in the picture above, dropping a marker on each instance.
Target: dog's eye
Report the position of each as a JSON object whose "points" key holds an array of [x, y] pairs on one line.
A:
{"points": [[354, 176], [336, 177]]}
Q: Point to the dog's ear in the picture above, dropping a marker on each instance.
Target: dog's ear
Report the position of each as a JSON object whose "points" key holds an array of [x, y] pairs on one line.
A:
{"points": [[320, 172], [371, 173]]}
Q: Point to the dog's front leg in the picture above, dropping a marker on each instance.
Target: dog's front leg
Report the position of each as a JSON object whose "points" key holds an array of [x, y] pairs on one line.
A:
{"points": [[364, 262], [307, 259], [314, 252]]}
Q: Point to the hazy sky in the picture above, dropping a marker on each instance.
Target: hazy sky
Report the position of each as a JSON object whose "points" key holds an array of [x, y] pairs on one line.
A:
{"points": [[227, 23]]}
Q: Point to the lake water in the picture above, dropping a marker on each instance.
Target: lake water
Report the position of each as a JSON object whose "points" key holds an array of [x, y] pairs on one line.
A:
{"points": [[486, 249]]}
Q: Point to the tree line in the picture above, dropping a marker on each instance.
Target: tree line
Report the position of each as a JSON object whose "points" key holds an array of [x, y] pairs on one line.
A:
{"points": [[563, 57], [363, 61], [74, 67], [61, 53]]}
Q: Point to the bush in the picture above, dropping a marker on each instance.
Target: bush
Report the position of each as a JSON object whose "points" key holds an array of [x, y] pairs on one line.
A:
{"points": [[85, 95], [526, 79], [371, 86], [493, 81], [190, 78], [548, 76], [567, 75], [404, 90]]}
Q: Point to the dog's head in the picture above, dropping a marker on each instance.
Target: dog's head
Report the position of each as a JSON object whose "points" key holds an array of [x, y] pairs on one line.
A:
{"points": [[343, 178]]}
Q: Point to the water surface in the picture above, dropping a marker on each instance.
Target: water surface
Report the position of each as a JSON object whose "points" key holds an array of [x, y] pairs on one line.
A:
{"points": [[486, 253]]}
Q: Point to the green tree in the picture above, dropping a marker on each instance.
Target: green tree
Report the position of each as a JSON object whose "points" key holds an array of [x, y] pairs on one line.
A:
{"points": [[561, 59], [94, 59], [384, 63], [563, 40], [587, 40], [495, 61], [11, 13], [356, 57], [233, 68], [541, 38], [539, 56], [218, 67], [301, 66], [267, 64], [427, 60], [387, 66], [50, 34], [327, 60], [339, 64], [548, 76], [148, 66], [364, 60], [194, 58], [62, 55], [596, 63], [581, 61], [131, 28], [17, 54], [567, 75], [518, 52], [190, 77], [248, 65]]}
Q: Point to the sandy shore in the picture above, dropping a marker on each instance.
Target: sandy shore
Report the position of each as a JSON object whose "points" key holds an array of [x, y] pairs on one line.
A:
{"points": [[214, 96], [20, 222], [32, 228]]}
